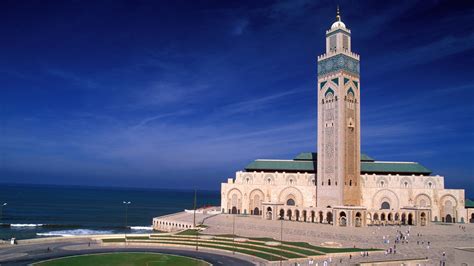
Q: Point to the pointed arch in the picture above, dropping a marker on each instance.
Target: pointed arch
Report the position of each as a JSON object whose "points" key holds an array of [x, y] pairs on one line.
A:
{"points": [[328, 91], [350, 91]]}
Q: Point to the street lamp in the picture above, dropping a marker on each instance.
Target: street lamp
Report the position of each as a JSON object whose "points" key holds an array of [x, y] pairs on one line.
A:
{"points": [[1, 210], [281, 240], [233, 233], [126, 203]]}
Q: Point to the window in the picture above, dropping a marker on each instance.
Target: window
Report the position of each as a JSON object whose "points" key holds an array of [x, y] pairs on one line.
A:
{"points": [[405, 184], [430, 185], [329, 182], [350, 182], [290, 202], [332, 43], [345, 42], [247, 180], [385, 206]]}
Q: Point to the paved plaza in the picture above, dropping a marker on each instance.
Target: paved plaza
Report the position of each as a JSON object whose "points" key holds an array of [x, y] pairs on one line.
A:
{"points": [[441, 238]]}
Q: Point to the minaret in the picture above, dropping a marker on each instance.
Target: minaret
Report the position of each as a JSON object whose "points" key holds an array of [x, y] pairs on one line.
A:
{"points": [[338, 120]]}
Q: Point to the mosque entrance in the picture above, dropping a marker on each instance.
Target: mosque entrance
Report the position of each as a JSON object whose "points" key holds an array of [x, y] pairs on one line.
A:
{"points": [[256, 211], [358, 222], [410, 219], [449, 218], [329, 217], [269, 213], [342, 219], [234, 210], [423, 219]]}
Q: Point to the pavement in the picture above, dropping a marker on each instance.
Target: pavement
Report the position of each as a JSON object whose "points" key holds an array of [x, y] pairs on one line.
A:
{"points": [[428, 243]]}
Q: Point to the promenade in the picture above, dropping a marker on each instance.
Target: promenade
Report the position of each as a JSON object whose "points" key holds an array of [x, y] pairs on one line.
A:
{"points": [[422, 246]]}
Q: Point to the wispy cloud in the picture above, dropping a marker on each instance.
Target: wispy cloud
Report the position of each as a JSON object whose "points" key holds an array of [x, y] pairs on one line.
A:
{"points": [[78, 80], [240, 26], [151, 119]]}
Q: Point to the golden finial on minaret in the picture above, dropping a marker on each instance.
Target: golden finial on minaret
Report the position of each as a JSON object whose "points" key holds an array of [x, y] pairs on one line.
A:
{"points": [[338, 15]]}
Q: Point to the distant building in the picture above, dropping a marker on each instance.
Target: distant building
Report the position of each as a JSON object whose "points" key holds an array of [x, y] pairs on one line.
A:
{"points": [[338, 184]]}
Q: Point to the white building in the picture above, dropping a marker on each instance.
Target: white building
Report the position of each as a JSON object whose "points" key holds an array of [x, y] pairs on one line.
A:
{"points": [[339, 185]]}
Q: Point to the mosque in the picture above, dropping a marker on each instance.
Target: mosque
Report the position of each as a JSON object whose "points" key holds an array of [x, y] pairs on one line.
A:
{"points": [[339, 185]]}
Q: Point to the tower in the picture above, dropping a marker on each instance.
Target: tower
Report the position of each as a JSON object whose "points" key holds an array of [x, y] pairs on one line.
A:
{"points": [[338, 173]]}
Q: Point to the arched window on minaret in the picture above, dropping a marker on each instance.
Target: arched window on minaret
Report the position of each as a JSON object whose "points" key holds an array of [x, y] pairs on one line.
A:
{"points": [[329, 182]]}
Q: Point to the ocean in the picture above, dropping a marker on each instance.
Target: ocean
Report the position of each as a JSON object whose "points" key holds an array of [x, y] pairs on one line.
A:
{"points": [[40, 211]]}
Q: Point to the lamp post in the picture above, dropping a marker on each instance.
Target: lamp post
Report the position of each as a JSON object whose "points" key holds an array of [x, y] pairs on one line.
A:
{"points": [[126, 203], [281, 239], [1, 210], [233, 233], [194, 220]]}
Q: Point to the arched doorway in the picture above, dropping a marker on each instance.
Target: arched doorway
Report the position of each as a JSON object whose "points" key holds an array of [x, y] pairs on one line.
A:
{"points": [[423, 219], [256, 211], [404, 218], [358, 220], [304, 215], [313, 216], [321, 218], [329, 217], [376, 218], [449, 218], [288, 214], [410, 219], [269, 213], [234, 210], [342, 219], [282, 214], [297, 215], [382, 217], [472, 218]]}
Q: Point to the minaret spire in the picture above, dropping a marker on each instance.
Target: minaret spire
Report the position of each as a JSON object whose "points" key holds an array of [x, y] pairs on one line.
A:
{"points": [[338, 14]]}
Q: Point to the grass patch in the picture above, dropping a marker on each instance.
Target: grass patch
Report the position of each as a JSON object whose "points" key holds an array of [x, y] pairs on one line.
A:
{"points": [[124, 259], [219, 244], [265, 239], [268, 257], [138, 237], [188, 232], [325, 249], [113, 240]]}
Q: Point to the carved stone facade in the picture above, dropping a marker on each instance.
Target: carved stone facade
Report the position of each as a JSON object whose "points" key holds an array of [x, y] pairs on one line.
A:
{"points": [[339, 185]]}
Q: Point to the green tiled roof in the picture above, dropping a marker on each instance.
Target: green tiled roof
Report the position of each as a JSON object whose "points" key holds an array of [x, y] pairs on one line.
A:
{"points": [[393, 167], [469, 203], [304, 163], [313, 156], [282, 165], [307, 156]]}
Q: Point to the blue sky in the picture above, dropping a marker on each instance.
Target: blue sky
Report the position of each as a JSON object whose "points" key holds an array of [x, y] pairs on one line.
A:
{"points": [[185, 93]]}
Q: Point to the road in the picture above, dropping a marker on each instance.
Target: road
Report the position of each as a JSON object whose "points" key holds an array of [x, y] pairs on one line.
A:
{"points": [[25, 254]]}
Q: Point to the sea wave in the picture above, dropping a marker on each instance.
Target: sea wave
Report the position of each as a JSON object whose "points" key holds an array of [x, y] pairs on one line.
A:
{"points": [[75, 232], [26, 225], [141, 227]]}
